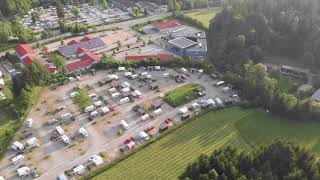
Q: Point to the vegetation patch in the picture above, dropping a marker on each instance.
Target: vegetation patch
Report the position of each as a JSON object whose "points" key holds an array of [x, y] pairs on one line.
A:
{"points": [[287, 85], [204, 17], [182, 95], [82, 99], [245, 129]]}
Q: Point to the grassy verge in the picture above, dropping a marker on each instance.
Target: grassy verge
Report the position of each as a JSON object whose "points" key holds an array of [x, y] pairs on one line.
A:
{"points": [[247, 129], [203, 16], [10, 124], [182, 95], [7, 46]]}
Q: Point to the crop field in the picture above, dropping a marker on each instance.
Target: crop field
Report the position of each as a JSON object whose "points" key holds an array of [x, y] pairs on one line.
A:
{"points": [[182, 95], [204, 16], [246, 129]]}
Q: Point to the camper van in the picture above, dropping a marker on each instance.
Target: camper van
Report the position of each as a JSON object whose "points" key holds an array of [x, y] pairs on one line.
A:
{"points": [[82, 131], [157, 111], [65, 139], [33, 142], [124, 124], [124, 100], [17, 159], [66, 116], [115, 95], [94, 114], [98, 103], [89, 109], [144, 136], [112, 90], [104, 110], [136, 93], [220, 83], [60, 130], [165, 75], [145, 117], [128, 74]]}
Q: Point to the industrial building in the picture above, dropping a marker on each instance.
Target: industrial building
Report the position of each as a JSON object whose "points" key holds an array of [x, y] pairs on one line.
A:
{"points": [[188, 42]]}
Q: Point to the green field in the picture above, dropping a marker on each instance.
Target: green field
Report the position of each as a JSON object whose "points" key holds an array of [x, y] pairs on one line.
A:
{"points": [[287, 85], [244, 128], [204, 16], [182, 95]]}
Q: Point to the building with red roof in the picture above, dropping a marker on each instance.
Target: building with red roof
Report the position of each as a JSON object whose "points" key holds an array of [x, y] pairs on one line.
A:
{"points": [[52, 69], [149, 56], [29, 58], [87, 60], [23, 49], [166, 24], [81, 51], [86, 38], [73, 42]]}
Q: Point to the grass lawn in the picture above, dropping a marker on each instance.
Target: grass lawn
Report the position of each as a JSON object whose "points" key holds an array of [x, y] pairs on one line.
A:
{"points": [[182, 95], [287, 85], [9, 123], [243, 128], [203, 16]]}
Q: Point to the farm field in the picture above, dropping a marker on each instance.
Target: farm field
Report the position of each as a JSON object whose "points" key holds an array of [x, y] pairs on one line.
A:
{"points": [[244, 128], [203, 16], [182, 95]]}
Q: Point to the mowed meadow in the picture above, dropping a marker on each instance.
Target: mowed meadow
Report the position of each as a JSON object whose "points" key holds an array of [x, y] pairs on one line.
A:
{"points": [[244, 128]]}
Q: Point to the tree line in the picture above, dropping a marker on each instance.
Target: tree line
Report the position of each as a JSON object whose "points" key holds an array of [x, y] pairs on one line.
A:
{"points": [[280, 160], [247, 29], [240, 36]]}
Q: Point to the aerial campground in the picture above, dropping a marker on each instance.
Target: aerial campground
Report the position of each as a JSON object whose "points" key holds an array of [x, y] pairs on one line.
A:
{"points": [[160, 89]]}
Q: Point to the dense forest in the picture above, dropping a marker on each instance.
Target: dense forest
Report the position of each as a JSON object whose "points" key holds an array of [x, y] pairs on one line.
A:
{"points": [[246, 30], [280, 160]]}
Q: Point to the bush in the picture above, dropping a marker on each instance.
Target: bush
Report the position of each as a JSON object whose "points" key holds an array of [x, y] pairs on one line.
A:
{"points": [[182, 95]]}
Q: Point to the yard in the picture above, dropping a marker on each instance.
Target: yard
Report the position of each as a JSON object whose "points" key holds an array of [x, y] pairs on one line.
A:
{"points": [[287, 85], [244, 128], [203, 16], [182, 95]]}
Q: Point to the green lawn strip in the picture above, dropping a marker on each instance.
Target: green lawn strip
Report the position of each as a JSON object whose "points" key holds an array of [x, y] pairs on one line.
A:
{"points": [[203, 16], [247, 129], [182, 95], [10, 124]]}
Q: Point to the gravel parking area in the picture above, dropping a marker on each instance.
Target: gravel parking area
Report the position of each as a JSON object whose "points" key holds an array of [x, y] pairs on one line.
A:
{"points": [[53, 157]]}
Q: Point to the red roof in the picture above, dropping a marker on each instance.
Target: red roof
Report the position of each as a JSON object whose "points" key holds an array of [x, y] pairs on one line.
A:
{"points": [[167, 24], [81, 50], [148, 56], [23, 49], [52, 69], [84, 62], [28, 59], [45, 50], [86, 38], [73, 42], [92, 56]]}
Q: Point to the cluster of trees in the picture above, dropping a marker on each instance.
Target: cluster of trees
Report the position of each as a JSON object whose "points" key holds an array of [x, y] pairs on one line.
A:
{"points": [[75, 28], [280, 160], [245, 29], [15, 29]]}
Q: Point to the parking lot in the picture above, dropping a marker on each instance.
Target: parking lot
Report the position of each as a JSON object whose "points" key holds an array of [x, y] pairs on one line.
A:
{"points": [[105, 134]]}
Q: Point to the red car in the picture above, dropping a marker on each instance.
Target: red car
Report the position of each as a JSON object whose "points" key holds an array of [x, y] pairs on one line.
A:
{"points": [[150, 128], [128, 140]]}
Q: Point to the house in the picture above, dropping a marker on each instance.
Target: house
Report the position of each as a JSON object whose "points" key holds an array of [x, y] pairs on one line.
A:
{"points": [[25, 53], [163, 57], [161, 26], [185, 47], [86, 38], [71, 50], [73, 42], [87, 60], [81, 51]]}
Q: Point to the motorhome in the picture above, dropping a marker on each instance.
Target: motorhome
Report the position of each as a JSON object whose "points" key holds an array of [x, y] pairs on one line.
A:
{"points": [[17, 159], [115, 95], [124, 124], [65, 139], [59, 130], [89, 108], [124, 100]]}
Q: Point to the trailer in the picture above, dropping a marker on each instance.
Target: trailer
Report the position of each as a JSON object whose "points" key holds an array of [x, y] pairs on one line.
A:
{"points": [[124, 124], [124, 100], [60, 130]]}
